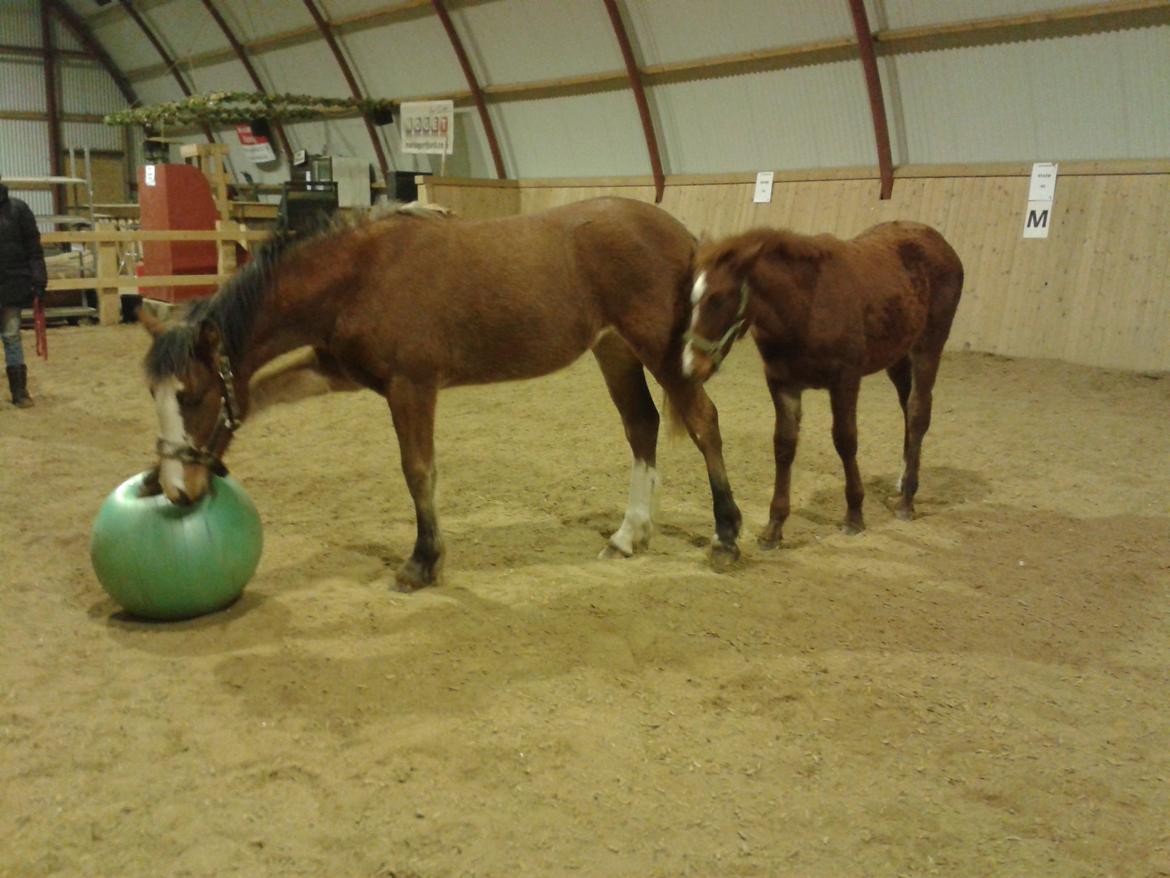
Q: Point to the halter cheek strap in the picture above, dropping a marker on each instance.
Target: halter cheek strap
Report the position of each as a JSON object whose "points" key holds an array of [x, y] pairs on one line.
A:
{"points": [[715, 349], [226, 424]]}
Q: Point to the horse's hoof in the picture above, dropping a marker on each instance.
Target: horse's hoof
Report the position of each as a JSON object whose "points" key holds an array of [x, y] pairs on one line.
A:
{"points": [[724, 557], [412, 576], [903, 513], [770, 537], [852, 528], [612, 552]]}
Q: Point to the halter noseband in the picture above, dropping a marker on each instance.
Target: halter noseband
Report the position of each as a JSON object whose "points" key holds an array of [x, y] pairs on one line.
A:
{"points": [[714, 349], [225, 425]]}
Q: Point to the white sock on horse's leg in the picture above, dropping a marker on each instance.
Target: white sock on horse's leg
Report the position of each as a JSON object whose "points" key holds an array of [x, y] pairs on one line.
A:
{"points": [[638, 525]]}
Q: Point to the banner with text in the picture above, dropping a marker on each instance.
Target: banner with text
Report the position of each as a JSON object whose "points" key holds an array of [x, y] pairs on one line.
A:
{"points": [[256, 146], [427, 127]]}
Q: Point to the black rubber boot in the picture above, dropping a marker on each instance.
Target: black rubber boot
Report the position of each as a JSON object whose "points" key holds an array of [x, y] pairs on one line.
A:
{"points": [[18, 384]]}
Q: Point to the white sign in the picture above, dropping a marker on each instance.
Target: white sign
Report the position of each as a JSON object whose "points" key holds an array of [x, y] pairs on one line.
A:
{"points": [[1043, 185], [763, 192], [427, 127], [148, 175], [1041, 193]]}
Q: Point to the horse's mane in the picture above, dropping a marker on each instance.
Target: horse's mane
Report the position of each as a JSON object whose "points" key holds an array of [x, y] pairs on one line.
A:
{"points": [[233, 309], [782, 241]]}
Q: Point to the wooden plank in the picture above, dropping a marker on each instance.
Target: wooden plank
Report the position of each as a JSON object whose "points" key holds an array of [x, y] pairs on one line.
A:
{"points": [[125, 282], [153, 235], [1056, 22]]}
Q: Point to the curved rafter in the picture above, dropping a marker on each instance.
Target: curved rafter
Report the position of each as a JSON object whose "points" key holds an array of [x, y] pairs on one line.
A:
{"points": [[331, 41], [635, 77], [246, 61], [489, 129], [83, 35], [167, 59], [51, 105], [877, 105]]}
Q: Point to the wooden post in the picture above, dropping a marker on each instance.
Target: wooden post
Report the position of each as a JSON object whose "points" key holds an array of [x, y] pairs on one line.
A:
{"points": [[109, 299], [209, 158], [226, 264]]}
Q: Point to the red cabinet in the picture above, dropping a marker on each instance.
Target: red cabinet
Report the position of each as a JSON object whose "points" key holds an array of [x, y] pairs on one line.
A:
{"points": [[174, 197]]}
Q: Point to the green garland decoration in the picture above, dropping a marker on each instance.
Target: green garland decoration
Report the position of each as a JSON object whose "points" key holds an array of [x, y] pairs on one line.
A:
{"points": [[234, 107]]}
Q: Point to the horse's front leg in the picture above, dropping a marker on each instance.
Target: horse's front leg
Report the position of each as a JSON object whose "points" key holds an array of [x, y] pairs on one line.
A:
{"points": [[412, 405], [698, 414], [786, 400], [843, 399]]}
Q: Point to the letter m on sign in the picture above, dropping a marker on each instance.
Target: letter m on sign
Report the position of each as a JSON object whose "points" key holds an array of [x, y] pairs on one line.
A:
{"points": [[1037, 219]]}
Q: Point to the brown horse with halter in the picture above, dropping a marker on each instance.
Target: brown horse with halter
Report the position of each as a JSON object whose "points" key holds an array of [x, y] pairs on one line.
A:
{"points": [[410, 301], [824, 312]]}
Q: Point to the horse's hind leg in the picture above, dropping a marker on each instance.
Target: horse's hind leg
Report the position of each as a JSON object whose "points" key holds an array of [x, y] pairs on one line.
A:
{"points": [[924, 369], [843, 399], [412, 406], [692, 405], [901, 373], [627, 387]]}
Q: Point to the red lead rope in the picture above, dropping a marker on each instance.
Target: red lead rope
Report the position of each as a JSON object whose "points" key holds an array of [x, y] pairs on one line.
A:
{"points": [[39, 326]]}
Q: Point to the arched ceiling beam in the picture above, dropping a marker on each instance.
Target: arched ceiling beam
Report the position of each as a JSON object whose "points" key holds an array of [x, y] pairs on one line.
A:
{"points": [[51, 106], [246, 61], [473, 84], [403, 10], [1069, 21], [331, 41], [167, 60], [635, 77], [83, 35], [877, 104]]}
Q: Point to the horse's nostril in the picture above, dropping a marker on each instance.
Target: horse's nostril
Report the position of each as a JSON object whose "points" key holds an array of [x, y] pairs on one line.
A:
{"points": [[183, 500]]}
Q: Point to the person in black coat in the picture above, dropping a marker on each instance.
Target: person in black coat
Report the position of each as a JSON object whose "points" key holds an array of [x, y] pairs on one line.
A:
{"points": [[23, 278]]}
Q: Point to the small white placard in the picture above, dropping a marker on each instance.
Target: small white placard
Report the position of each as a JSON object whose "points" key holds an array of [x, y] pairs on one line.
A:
{"points": [[763, 193], [1038, 219], [1043, 185], [148, 175], [427, 126]]}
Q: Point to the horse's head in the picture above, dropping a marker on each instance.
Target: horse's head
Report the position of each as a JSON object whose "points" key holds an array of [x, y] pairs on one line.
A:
{"points": [[194, 392], [719, 305]]}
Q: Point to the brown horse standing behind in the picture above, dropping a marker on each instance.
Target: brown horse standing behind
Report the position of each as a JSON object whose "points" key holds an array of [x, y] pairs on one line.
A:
{"points": [[824, 312], [413, 301]]}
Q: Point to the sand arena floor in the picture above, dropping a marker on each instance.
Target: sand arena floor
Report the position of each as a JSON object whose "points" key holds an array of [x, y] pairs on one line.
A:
{"points": [[982, 691]]}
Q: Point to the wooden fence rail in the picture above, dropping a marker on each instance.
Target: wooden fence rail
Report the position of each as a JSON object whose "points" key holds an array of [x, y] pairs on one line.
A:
{"points": [[111, 279]]}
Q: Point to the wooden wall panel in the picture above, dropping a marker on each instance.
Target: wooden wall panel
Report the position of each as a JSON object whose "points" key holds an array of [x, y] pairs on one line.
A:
{"points": [[1096, 291]]}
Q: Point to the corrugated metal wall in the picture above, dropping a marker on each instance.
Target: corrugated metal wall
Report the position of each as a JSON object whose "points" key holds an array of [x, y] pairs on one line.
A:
{"points": [[1103, 96], [24, 145]]}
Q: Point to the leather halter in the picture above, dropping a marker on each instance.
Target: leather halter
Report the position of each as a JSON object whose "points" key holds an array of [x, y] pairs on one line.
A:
{"points": [[714, 349], [225, 425]]}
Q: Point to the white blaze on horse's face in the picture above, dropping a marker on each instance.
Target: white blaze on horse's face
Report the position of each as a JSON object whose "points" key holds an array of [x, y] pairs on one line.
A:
{"points": [[697, 292], [172, 430]]}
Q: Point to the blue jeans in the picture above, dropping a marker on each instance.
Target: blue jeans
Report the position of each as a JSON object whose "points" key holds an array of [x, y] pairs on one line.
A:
{"points": [[10, 333]]}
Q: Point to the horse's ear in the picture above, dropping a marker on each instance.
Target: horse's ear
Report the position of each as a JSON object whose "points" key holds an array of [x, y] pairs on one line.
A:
{"points": [[747, 257], [209, 338], [151, 323]]}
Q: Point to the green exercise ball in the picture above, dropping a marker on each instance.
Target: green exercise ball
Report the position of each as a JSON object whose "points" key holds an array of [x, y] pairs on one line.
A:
{"points": [[167, 562]]}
